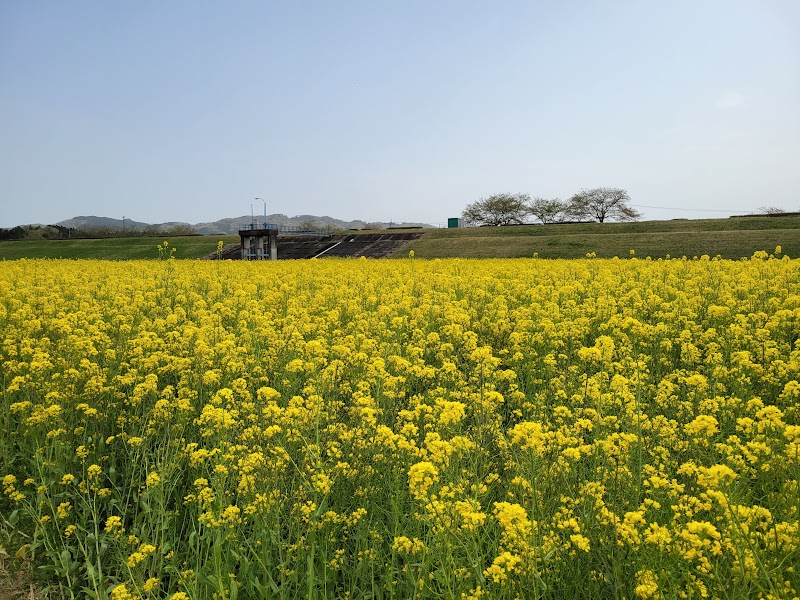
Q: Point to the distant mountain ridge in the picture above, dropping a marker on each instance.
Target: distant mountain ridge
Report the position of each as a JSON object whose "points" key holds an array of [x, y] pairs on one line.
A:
{"points": [[231, 226]]}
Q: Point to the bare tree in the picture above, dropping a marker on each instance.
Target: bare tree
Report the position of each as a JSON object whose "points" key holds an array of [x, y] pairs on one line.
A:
{"points": [[548, 210], [181, 229], [500, 209], [771, 210], [603, 204], [309, 225]]}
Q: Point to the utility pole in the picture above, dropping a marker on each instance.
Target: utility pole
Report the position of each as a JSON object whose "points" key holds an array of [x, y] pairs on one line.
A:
{"points": [[265, 211]]}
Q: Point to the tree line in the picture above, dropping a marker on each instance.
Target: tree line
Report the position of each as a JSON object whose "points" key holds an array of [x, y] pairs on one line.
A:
{"points": [[598, 204], [59, 232]]}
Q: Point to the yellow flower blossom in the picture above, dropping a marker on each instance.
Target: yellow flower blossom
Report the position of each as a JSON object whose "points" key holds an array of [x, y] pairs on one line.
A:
{"points": [[114, 523], [421, 476], [646, 584], [408, 546]]}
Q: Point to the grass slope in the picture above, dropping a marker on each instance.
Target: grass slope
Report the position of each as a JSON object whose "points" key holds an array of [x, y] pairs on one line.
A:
{"points": [[197, 246], [729, 238]]}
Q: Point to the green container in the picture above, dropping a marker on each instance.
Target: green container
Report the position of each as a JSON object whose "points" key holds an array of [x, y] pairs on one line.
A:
{"points": [[453, 223]]}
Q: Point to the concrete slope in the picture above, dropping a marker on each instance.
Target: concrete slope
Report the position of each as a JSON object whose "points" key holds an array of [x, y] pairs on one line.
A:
{"points": [[371, 245]]}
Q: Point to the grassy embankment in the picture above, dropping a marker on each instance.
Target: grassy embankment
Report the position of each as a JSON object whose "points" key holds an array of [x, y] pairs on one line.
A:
{"points": [[729, 238], [196, 246]]}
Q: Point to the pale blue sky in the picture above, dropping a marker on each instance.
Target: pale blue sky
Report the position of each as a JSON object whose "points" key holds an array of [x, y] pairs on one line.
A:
{"points": [[403, 111]]}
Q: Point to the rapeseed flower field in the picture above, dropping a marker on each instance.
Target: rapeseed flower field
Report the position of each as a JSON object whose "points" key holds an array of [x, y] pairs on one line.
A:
{"points": [[492, 429]]}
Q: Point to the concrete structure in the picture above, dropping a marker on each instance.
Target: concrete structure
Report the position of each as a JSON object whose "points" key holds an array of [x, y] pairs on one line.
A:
{"points": [[259, 243], [371, 245], [255, 246]]}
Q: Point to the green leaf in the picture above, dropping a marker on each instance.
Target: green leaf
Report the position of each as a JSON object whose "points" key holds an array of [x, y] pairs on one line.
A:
{"points": [[234, 587], [66, 559]]}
